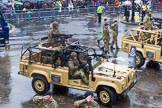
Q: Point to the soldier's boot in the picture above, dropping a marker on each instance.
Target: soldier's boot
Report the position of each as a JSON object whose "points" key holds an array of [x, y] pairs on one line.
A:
{"points": [[112, 47]]}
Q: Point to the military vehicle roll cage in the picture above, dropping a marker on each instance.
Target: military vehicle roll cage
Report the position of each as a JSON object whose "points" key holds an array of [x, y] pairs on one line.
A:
{"points": [[142, 35], [73, 47], [148, 44]]}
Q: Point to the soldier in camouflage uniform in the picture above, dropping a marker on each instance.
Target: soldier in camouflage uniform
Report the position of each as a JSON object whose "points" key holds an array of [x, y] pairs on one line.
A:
{"points": [[74, 68], [89, 102], [106, 38], [52, 38], [148, 21], [114, 27], [46, 101]]}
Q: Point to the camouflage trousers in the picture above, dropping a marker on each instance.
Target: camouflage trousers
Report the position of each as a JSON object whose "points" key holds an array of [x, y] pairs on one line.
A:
{"points": [[106, 46], [82, 75], [114, 41], [53, 41]]}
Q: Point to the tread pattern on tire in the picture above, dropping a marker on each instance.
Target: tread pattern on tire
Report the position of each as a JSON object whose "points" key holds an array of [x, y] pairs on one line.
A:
{"points": [[47, 85], [141, 59], [112, 94]]}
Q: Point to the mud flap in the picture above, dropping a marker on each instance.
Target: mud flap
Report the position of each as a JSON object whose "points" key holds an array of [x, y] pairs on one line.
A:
{"points": [[129, 88]]}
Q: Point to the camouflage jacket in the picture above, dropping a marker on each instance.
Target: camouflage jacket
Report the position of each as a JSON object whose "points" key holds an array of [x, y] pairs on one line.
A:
{"points": [[147, 22], [42, 103], [84, 104], [106, 35], [52, 32], [114, 27], [52, 39], [73, 64]]}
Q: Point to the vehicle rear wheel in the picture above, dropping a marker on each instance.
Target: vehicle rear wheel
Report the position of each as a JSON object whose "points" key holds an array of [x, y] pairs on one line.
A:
{"points": [[139, 60], [106, 96], [40, 85]]}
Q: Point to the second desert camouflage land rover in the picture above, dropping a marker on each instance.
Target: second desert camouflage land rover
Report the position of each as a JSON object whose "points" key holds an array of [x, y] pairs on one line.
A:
{"points": [[148, 44], [106, 79]]}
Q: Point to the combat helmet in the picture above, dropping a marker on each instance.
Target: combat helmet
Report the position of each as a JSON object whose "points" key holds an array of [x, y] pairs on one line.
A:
{"points": [[55, 24], [73, 54]]}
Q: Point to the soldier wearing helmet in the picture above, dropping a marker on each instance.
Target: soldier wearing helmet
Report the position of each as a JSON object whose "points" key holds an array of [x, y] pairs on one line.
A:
{"points": [[148, 21], [73, 64], [52, 39]]}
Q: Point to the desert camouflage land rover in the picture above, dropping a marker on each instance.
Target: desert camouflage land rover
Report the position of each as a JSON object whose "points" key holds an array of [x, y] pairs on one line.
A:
{"points": [[106, 79], [148, 44]]}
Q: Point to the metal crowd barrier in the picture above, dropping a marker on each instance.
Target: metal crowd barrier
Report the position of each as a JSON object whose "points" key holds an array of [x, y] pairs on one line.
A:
{"points": [[52, 13]]}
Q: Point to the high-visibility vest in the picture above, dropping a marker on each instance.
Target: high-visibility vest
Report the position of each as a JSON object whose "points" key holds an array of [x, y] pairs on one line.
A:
{"points": [[99, 9], [143, 7]]}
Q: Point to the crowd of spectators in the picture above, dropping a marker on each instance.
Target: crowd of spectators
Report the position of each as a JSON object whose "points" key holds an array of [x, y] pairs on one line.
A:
{"points": [[48, 4], [26, 5]]}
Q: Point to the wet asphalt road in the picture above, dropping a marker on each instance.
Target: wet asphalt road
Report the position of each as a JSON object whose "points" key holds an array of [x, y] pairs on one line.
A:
{"points": [[16, 90]]}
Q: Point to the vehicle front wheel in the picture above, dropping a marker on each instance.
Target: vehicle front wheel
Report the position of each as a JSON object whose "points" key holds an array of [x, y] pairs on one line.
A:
{"points": [[106, 96], [40, 85], [139, 60]]}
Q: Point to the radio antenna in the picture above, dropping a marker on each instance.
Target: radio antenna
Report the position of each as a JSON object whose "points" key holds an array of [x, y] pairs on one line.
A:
{"points": [[114, 71]]}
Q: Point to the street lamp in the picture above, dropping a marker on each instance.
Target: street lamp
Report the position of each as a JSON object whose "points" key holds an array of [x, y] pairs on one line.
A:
{"points": [[132, 19]]}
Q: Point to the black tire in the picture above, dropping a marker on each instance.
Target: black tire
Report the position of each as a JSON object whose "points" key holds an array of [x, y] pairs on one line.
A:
{"points": [[40, 85], [140, 61], [106, 96]]}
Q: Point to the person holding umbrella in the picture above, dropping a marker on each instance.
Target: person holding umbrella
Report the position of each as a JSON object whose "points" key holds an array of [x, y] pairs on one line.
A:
{"points": [[126, 6]]}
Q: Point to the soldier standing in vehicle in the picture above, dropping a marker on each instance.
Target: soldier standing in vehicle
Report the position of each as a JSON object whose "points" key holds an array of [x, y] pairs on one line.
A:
{"points": [[106, 38], [114, 27], [89, 102], [148, 21], [74, 68], [52, 39], [45, 101]]}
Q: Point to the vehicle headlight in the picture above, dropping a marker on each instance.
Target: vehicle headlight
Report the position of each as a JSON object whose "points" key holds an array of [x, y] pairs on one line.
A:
{"points": [[132, 74], [123, 84]]}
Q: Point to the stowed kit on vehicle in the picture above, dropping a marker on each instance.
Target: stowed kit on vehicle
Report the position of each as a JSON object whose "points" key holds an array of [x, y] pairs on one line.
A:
{"points": [[148, 44], [50, 66]]}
